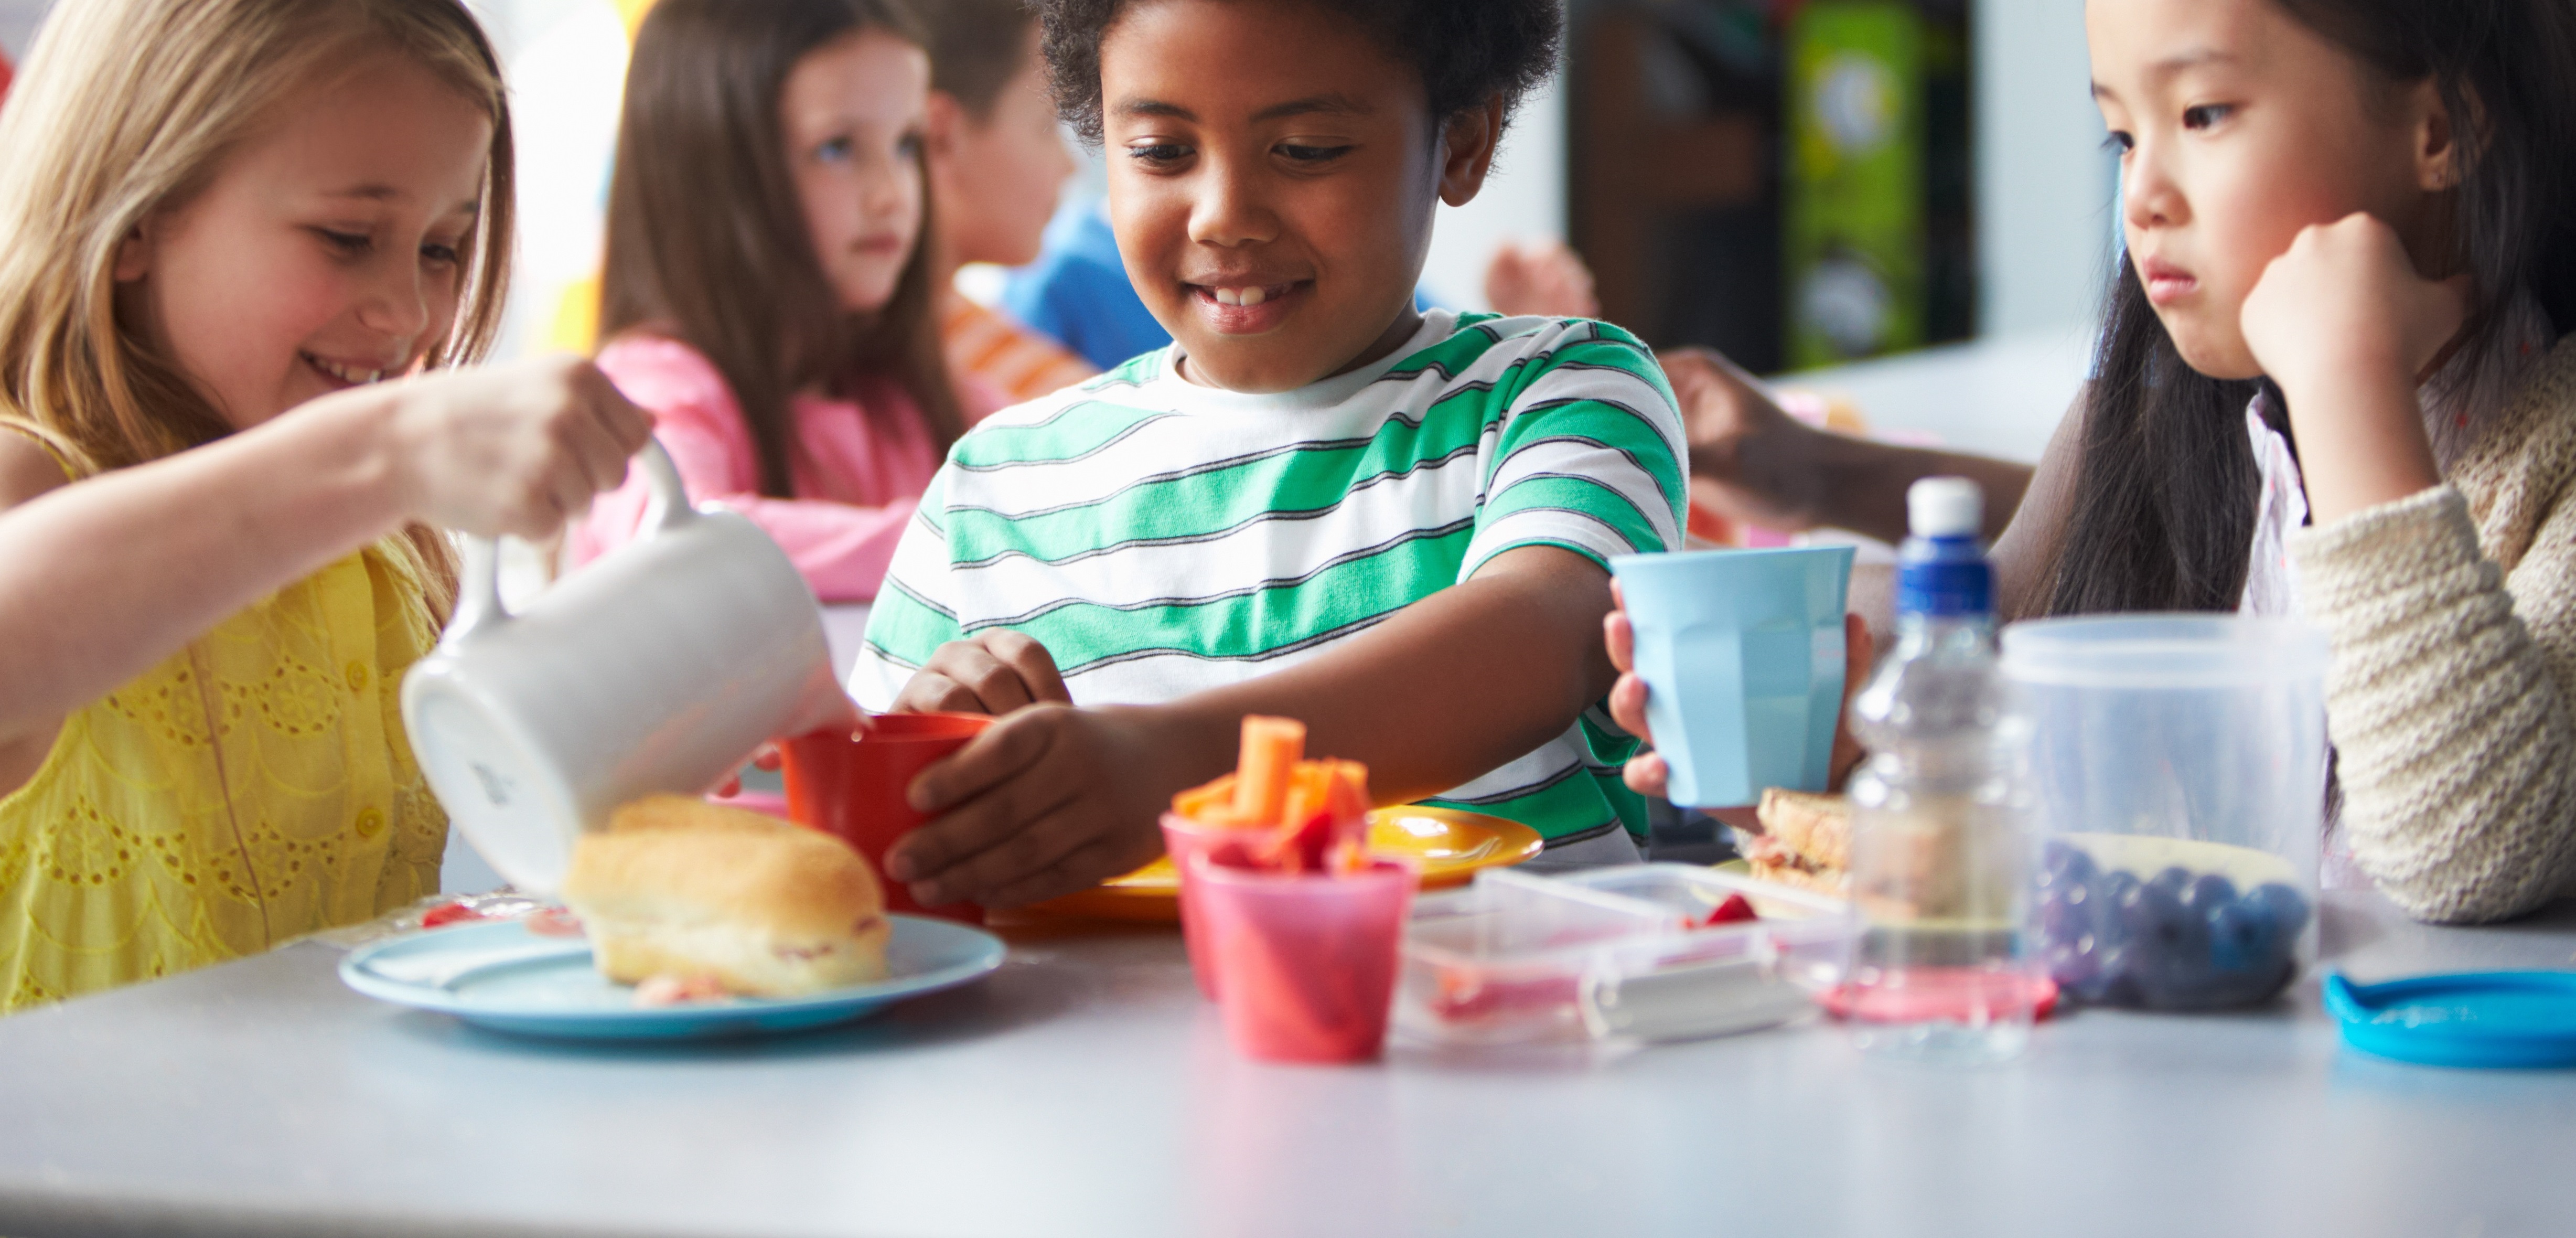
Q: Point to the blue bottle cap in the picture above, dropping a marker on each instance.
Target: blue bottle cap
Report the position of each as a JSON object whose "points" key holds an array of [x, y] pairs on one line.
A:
{"points": [[2509, 1019]]}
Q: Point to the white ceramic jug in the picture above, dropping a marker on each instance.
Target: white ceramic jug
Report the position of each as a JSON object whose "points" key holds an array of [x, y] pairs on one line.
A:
{"points": [[660, 667]]}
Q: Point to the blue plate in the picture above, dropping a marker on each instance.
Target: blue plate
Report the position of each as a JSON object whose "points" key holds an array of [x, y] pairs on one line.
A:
{"points": [[2522, 1019], [503, 977]]}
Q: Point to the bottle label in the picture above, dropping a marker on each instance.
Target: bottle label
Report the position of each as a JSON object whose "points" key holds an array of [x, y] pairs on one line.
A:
{"points": [[1944, 577]]}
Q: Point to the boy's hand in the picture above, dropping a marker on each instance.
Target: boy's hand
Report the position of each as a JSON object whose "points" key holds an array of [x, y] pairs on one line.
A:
{"points": [[992, 672], [1045, 802], [1646, 772]]}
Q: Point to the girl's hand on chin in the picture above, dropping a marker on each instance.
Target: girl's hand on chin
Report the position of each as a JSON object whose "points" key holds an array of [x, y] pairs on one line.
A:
{"points": [[2344, 303], [515, 449]]}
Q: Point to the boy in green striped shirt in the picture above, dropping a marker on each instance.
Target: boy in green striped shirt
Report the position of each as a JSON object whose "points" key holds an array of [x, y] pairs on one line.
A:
{"points": [[1317, 503]]}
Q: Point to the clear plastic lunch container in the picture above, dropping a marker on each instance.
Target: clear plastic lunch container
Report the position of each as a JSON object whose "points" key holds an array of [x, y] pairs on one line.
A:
{"points": [[2178, 769], [1617, 953]]}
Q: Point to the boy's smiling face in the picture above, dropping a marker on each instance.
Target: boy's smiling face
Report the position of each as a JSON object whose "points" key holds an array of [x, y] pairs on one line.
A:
{"points": [[1272, 178]]}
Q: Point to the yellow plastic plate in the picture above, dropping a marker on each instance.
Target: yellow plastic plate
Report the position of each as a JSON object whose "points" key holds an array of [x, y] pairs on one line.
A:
{"points": [[1450, 846]]}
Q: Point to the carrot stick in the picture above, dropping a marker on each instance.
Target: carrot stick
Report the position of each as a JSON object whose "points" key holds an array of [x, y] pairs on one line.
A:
{"points": [[1272, 748], [1210, 804]]}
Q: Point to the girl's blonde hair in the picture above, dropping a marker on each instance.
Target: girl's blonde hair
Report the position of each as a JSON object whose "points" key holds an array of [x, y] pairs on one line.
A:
{"points": [[127, 107]]}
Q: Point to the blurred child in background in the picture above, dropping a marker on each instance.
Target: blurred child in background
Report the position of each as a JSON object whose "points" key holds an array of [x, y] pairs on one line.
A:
{"points": [[769, 296], [996, 163]]}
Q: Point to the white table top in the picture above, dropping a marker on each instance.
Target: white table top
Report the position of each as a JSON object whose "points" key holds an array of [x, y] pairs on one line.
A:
{"points": [[1998, 397], [1085, 1089]]}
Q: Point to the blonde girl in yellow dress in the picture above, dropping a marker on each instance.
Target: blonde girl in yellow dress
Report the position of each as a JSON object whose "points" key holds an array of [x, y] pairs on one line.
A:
{"points": [[243, 243]]}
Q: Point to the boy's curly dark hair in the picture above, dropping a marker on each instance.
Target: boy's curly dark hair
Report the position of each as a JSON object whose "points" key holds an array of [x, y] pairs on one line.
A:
{"points": [[1467, 51]]}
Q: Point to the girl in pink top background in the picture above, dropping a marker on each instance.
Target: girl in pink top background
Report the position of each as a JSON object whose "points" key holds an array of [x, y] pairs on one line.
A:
{"points": [[766, 294]]}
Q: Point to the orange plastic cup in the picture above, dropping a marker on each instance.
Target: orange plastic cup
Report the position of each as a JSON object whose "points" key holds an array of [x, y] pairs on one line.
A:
{"points": [[1305, 964], [853, 786]]}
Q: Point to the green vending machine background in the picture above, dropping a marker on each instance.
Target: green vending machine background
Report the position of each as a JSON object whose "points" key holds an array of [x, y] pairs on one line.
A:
{"points": [[1854, 223]]}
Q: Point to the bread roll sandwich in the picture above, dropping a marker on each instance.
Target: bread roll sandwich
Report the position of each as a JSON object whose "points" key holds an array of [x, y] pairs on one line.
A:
{"points": [[680, 887], [1804, 840]]}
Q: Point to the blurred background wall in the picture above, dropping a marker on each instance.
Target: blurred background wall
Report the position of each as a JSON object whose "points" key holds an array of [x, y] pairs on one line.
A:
{"points": [[1796, 181]]}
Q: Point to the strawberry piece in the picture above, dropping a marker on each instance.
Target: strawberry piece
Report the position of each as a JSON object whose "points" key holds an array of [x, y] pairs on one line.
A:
{"points": [[449, 913], [678, 989], [1462, 997], [1235, 852], [1734, 910], [1298, 849]]}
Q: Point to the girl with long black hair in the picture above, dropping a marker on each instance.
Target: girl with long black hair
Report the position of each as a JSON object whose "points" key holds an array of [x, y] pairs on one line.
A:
{"points": [[2333, 382]]}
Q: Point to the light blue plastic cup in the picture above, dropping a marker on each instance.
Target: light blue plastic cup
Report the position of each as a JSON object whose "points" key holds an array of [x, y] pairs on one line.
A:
{"points": [[1742, 653]]}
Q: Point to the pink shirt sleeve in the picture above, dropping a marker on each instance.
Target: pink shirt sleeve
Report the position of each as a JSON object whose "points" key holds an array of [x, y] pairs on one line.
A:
{"points": [[842, 548]]}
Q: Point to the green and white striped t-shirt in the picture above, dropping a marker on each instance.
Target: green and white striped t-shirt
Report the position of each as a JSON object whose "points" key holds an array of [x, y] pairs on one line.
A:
{"points": [[1160, 538]]}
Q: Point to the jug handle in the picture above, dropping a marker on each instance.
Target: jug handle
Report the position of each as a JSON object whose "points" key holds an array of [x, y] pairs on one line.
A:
{"points": [[478, 605]]}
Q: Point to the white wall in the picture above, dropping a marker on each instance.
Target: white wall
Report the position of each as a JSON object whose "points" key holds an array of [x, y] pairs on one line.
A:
{"points": [[1524, 198], [2044, 184], [2045, 223], [18, 21]]}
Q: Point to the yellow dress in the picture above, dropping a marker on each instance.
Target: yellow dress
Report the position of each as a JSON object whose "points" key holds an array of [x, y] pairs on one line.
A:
{"points": [[254, 787]]}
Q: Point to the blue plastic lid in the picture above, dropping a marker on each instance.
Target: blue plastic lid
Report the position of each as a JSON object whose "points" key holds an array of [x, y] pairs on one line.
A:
{"points": [[2511, 1019]]}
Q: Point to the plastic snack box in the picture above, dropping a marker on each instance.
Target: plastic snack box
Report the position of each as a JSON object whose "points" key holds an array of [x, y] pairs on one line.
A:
{"points": [[1613, 954]]}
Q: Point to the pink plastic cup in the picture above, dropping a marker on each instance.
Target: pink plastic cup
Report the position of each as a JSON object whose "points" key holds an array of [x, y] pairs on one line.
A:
{"points": [[1184, 839], [1305, 965]]}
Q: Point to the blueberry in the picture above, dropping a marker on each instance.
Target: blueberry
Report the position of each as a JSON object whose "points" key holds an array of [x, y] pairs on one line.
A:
{"points": [[2289, 908], [2065, 915], [2161, 930], [2111, 983], [2143, 909], [2064, 864], [2072, 965], [2209, 893], [2180, 940], [2244, 935], [2108, 894]]}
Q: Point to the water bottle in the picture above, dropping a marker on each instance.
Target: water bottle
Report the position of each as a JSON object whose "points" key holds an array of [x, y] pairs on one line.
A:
{"points": [[1939, 847]]}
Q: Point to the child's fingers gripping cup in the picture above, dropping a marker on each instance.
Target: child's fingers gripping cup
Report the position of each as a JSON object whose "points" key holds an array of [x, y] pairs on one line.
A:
{"points": [[855, 784], [1305, 963], [1742, 654]]}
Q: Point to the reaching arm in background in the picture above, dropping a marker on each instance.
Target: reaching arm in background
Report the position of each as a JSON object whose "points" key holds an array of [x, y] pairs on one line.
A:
{"points": [[1752, 462]]}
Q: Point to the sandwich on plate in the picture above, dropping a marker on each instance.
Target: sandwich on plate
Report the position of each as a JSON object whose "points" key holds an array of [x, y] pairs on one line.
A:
{"points": [[690, 900], [1802, 840]]}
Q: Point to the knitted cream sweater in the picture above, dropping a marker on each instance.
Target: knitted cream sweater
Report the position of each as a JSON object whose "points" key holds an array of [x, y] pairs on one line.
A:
{"points": [[2452, 698]]}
